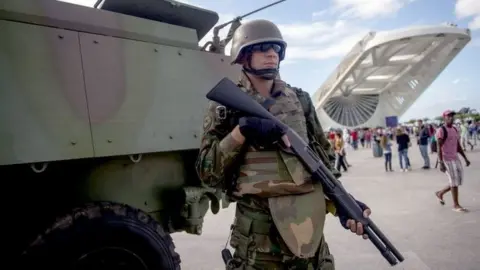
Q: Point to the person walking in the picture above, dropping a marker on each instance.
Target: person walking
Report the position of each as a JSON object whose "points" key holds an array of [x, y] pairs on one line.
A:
{"points": [[386, 144], [340, 152], [448, 139]]}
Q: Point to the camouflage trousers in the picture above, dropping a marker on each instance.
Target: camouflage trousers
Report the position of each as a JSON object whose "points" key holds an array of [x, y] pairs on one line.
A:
{"points": [[258, 244]]}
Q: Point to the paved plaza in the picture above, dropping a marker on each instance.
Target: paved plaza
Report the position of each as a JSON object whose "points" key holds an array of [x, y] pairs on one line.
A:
{"points": [[430, 236]]}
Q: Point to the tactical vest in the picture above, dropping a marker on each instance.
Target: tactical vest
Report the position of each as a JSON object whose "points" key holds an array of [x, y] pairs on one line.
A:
{"points": [[276, 173], [296, 204]]}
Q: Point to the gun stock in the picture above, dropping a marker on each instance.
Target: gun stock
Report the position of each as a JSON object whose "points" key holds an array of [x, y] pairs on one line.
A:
{"points": [[230, 95]]}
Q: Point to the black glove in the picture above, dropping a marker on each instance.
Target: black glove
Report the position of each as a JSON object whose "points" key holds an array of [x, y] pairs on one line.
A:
{"points": [[260, 131], [343, 216]]}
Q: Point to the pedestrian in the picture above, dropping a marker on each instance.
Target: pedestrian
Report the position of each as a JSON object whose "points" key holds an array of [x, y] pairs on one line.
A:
{"points": [[361, 136], [340, 152], [403, 143], [433, 140], [331, 137], [276, 201], [422, 140], [368, 138], [464, 136], [448, 139], [354, 136], [386, 144], [472, 129]]}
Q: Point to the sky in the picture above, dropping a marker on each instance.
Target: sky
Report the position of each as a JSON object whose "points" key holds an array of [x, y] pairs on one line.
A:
{"points": [[320, 33]]}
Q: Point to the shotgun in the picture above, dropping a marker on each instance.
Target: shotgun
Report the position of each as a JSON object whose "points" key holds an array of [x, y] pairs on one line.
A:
{"points": [[228, 94]]}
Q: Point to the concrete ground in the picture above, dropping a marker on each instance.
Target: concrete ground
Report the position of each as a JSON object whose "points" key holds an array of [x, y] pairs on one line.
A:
{"points": [[430, 236]]}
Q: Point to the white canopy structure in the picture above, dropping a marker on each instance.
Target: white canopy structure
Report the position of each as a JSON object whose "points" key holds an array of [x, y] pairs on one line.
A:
{"points": [[385, 73]]}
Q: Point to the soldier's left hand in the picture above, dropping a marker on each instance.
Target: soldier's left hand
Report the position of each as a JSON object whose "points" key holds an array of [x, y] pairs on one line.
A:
{"points": [[353, 225], [357, 227]]}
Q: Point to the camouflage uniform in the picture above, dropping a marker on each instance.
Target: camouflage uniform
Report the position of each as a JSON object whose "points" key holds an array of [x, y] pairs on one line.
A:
{"points": [[280, 212]]}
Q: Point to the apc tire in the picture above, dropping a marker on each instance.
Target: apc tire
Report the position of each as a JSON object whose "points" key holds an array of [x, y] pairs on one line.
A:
{"points": [[84, 238]]}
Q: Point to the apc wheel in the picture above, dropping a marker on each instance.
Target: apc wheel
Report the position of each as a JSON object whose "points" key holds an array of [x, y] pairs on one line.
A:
{"points": [[103, 236]]}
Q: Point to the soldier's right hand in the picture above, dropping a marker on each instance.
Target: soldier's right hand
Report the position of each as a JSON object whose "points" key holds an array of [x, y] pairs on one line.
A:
{"points": [[262, 131]]}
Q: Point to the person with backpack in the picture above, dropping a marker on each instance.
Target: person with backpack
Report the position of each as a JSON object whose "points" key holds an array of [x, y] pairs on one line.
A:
{"points": [[244, 157], [448, 140]]}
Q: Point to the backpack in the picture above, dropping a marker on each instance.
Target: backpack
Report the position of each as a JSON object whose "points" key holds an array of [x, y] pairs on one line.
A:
{"points": [[445, 132], [307, 105], [303, 97]]}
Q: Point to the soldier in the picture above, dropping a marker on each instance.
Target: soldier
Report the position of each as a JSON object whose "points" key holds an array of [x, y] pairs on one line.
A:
{"points": [[280, 212]]}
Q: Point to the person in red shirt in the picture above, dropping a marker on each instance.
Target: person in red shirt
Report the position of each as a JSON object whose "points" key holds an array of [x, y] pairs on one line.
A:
{"points": [[368, 138], [354, 135], [331, 137], [448, 139]]}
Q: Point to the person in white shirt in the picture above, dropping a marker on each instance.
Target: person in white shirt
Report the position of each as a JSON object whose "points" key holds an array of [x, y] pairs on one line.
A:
{"points": [[464, 136], [472, 130]]}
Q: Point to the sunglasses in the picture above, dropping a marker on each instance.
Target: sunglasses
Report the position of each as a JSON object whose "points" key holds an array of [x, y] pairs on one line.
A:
{"points": [[265, 47]]}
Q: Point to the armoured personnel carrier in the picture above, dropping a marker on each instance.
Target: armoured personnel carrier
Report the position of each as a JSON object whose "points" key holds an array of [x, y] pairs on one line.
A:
{"points": [[101, 116]]}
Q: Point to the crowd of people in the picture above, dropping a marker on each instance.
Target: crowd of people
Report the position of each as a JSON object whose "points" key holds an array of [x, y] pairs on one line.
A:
{"points": [[446, 140]]}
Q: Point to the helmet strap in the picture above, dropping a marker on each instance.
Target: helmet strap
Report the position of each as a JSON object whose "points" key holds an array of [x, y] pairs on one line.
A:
{"points": [[266, 73]]}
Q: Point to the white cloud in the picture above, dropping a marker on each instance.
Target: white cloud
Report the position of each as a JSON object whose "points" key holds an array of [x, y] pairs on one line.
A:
{"points": [[469, 8], [321, 40], [456, 81], [321, 13], [368, 9]]}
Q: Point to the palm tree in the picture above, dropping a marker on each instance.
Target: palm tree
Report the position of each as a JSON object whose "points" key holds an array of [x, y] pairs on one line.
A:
{"points": [[439, 118], [461, 116]]}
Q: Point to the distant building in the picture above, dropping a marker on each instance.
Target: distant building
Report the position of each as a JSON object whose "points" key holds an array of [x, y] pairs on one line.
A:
{"points": [[385, 73]]}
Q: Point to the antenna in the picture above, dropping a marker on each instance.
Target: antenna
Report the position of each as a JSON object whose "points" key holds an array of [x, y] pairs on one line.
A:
{"points": [[217, 45], [97, 3]]}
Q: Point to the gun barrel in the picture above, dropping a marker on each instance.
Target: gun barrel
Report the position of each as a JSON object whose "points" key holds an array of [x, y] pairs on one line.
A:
{"points": [[260, 9], [247, 14], [390, 248]]}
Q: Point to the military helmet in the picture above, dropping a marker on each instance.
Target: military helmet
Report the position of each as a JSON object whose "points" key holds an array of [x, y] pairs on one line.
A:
{"points": [[253, 32]]}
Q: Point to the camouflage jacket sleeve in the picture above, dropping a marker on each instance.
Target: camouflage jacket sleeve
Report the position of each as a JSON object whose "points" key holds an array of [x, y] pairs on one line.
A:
{"points": [[218, 150]]}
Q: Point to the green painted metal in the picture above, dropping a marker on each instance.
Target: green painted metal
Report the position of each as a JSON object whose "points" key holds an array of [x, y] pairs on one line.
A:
{"points": [[106, 104]]}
